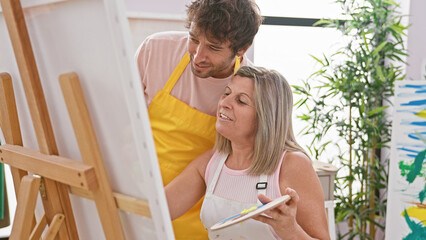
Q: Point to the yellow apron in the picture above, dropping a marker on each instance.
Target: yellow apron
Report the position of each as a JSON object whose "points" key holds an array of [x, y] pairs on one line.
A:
{"points": [[181, 133]]}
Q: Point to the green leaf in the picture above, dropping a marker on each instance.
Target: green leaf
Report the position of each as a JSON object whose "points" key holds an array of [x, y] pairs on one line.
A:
{"points": [[379, 48], [304, 117], [399, 28], [377, 110], [365, 41], [391, 3], [317, 59], [379, 72], [323, 22]]}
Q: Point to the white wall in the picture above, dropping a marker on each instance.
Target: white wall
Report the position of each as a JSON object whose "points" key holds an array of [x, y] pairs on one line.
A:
{"points": [[157, 6], [142, 25], [417, 39], [147, 17]]}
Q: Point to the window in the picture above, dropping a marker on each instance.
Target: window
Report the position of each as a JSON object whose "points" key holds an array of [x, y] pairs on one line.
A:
{"points": [[287, 40]]}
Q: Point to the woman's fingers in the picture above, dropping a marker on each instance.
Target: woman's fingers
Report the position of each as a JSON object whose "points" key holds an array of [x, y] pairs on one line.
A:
{"points": [[285, 209], [293, 194], [275, 212], [294, 197], [264, 219], [263, 199], [282, 218]]}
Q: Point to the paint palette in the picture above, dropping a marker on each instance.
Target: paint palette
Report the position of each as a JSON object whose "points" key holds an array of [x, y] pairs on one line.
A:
{"points": [[249, 213]]}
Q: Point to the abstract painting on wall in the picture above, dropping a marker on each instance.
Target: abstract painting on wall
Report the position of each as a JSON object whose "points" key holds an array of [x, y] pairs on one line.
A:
{"points": [[406, 208]]}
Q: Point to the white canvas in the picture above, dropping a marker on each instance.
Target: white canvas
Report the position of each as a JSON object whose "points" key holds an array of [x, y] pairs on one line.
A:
{"points": [[92, 38]]}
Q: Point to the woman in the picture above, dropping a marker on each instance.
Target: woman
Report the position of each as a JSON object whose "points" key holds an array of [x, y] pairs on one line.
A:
{"points": [[255, 157]]}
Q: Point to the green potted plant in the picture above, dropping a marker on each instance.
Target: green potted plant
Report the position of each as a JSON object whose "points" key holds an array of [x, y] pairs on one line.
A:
{"points": [[348, 95]]}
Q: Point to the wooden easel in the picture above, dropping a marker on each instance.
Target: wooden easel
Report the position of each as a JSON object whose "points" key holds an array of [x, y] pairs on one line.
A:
{"points": [[53, 176]]}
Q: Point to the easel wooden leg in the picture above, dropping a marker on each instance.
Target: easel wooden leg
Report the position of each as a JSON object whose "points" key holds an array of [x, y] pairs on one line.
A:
{"points": [[27, 199], [57, 198], [58, 201], [91, 155], [54, 227], [39, 228], [9, 122]]}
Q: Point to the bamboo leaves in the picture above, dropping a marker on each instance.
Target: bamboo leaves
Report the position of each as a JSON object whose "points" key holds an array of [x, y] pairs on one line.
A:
{"points": [[348, 96]]}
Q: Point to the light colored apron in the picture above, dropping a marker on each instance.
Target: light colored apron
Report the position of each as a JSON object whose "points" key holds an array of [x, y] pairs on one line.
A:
{"points": [[216, 209], [181, 133]]}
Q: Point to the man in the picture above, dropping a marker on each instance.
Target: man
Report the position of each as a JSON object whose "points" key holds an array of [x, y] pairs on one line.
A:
{"points": [[183, 75]]}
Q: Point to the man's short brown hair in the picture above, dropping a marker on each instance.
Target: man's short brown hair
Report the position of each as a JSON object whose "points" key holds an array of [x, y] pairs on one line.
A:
{"points": [[236, 21]]}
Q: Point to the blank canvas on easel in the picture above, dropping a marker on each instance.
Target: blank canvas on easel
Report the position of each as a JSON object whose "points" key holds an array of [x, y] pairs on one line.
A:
{"points": [[92, 39]]}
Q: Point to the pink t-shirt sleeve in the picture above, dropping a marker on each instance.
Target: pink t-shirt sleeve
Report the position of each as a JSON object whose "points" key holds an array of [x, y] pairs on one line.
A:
{"points": [[141, 55], [156, 59]]}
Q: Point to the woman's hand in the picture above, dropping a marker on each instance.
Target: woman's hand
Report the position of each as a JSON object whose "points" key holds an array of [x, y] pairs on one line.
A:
{"points": [[283, 217]]}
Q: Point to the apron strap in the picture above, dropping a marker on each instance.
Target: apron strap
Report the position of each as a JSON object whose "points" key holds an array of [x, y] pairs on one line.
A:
{"points": [[261, 186], [176, 73], [263, 179], [210, 188], [237, 64]]}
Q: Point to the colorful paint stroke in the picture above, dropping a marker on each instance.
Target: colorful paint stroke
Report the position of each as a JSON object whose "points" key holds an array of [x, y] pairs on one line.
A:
{"points": [[406, 209]]}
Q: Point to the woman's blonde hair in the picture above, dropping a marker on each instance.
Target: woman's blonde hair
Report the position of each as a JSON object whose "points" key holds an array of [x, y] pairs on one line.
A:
{"points": [[274, 103]]}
